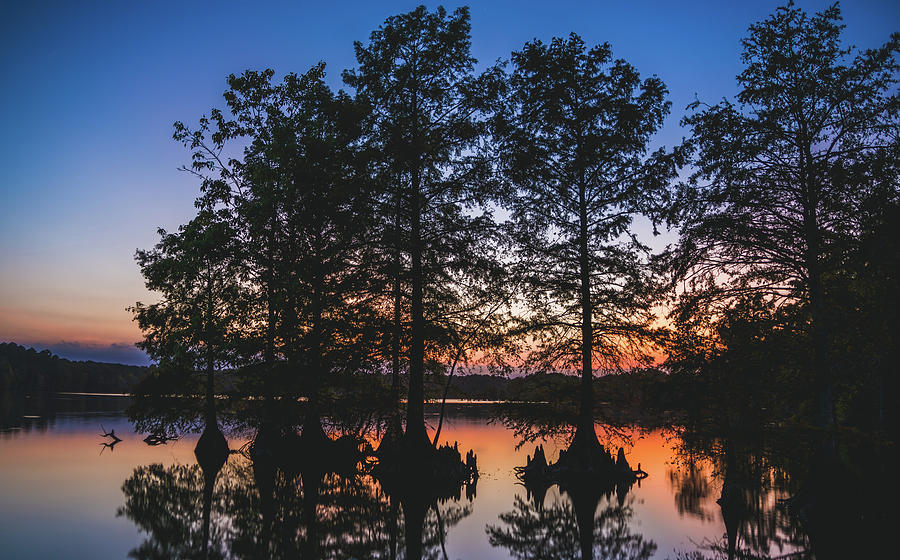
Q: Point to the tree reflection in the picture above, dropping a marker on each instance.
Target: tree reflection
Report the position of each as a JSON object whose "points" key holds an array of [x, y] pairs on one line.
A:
{"points": [[692, 489], [586, 525], [260, 507], [755, 478], [163, 503]]}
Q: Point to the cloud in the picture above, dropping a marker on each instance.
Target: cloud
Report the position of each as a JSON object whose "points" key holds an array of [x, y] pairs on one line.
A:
{"points": [[117, 352]]}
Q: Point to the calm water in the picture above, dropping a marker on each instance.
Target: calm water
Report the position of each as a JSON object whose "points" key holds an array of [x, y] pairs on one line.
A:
{"points": [[65, 495]]}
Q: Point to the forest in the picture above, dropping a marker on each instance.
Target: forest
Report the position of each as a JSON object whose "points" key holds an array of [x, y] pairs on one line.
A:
{"points": [[432, 219], [28, 371]]}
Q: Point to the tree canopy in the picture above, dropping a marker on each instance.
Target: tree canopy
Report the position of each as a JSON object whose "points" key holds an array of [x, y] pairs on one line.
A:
{"points": [[784, 174], [428, 119], [433, 215], [573, 142]]}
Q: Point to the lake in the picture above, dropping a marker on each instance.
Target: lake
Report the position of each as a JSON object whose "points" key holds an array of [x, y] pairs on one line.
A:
{"points": [[64, 494]]}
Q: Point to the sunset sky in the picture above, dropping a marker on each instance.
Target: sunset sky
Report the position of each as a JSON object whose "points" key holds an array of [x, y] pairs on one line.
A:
{"points": [[88, 168]]}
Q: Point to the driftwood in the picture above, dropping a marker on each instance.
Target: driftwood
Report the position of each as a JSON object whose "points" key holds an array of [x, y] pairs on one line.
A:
{"points": [[159, 439], [110, 434], [104, 445]]}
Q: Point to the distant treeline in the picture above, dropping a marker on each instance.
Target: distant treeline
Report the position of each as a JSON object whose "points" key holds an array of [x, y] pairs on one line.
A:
{"points": [[649, 390], [26, 369], [29, 370]]}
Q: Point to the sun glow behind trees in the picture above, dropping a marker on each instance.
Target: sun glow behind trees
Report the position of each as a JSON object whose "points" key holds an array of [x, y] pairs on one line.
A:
{"points": [[397, 185], [363, 223]]}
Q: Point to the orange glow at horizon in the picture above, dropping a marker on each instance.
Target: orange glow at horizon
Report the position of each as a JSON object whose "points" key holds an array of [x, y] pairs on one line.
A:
{"points": [[92, 329]]}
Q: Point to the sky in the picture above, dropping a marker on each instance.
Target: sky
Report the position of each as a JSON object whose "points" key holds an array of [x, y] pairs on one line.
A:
{"points": [[89, 170]]}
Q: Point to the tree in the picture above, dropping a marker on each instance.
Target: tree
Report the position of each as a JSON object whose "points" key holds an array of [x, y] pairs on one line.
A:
{"points": [[307, 151], [197, 272], [573, 141], [862, 295], [297, 200], [782, 174], [417, 76]]}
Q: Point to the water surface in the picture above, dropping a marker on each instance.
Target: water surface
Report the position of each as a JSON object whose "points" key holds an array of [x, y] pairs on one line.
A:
{"points": [[64, 494]]}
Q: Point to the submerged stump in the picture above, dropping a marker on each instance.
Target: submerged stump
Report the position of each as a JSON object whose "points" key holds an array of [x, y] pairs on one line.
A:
{"points": [[283, 448], [422, 469], [583, 463], [211, 450]]}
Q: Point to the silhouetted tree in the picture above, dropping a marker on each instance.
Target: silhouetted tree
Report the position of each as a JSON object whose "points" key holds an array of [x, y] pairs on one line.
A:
{"points": [[862, 297], [416, 73], [573, 142], [198, 273], [296, 198], [782, 174]]}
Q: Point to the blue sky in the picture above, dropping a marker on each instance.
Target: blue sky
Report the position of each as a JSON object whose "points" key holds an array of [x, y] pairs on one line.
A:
{"points": [[88, 169]]}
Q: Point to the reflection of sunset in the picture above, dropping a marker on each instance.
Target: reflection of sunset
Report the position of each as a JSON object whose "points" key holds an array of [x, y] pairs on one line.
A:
{"points": [[53, 471], [656, 512]]}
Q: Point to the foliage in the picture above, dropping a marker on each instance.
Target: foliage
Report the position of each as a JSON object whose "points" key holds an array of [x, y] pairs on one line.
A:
{"points": [[862, 297], [341, 233], [295, 201], [783, 175], [197, 273], [572, 142], [417, 76]]}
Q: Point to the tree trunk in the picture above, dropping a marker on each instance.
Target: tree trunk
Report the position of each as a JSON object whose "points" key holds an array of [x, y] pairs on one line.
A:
{"points": [[269, 351], [312, 426], [210, 393], [415, 415], [824, 398], [210, 360], [822, 374], [810, 200], [398, 325], [585, 431]]}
